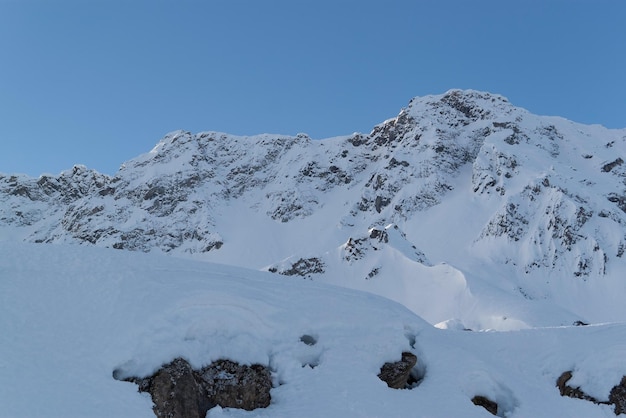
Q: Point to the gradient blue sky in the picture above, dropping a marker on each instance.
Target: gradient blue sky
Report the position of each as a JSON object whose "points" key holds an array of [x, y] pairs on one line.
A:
{"points": [[98, 82]]}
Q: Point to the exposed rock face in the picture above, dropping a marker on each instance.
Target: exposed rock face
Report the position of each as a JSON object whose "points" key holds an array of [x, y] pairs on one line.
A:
{"points": [[397, 374], [304, 267], [617, 396], [178, 391], [486, 403], [231, 385], [570, 391], [358, 248]]}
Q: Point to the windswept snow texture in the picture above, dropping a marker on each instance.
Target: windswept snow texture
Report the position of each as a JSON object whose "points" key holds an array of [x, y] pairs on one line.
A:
{"points": [[71, 317]]}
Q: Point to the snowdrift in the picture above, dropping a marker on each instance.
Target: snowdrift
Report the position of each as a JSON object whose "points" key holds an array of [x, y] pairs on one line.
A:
{"points": [[71, 316]]}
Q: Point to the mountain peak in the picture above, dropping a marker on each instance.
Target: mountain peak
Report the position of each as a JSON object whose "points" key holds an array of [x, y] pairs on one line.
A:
{"points": [[467, 95], [465, 105]]}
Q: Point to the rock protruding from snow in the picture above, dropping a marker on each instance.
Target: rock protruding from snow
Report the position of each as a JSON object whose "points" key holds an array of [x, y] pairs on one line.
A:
{"points": [[379, 238], [304, 267], [178, 391], [397, 374], [617, 396], [231, 385], [488, 404]]}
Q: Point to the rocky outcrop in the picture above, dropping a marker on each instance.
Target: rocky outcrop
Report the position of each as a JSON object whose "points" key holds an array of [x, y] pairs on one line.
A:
{"points": [[358, 248], [231, 385], [178, 391], [569, 391], [397, 375], [488, 404], [355, 253], [304, 267], [617, 396]]}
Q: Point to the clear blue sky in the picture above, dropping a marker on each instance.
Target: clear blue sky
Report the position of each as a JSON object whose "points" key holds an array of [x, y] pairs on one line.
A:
{"points": [[98, 82]]}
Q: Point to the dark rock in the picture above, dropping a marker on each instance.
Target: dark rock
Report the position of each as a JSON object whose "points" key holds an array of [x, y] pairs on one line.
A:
{"points": [[514, 138], [303, 267], [232, 385], [308, 339], [21, 191], [397, 374], [610, 166], [486, 403], [213, 245], [178, 391], [457, 101], [619, 200], [393, 130], [107, 191], [394, 163], [373, 272], [154, 192], [381, 202], [380, 235], [570, 391], [354, 249], [617, 397], [356, 140]]}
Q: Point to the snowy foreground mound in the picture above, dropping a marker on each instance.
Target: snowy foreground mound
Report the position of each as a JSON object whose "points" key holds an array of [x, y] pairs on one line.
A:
{"points": [[71, 315]]}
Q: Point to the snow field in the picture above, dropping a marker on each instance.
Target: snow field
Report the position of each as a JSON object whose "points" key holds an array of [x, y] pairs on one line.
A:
{"points": [[72, 316]]}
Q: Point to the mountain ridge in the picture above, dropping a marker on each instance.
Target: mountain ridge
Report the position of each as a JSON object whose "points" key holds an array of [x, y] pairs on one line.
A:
{"points": [[536, 203]]}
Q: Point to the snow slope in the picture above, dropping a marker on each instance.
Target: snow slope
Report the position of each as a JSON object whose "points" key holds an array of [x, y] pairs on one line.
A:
{"points": [[71, 316]]}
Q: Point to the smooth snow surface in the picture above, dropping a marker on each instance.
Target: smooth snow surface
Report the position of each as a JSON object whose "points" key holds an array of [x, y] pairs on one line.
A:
{"points": [[70, 316]]}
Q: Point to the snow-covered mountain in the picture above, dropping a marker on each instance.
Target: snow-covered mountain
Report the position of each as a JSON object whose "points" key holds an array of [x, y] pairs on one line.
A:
{"points": [[498, 212]]}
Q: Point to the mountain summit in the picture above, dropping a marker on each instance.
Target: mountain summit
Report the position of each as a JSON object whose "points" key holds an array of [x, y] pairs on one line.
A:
{"points": [[462, 195]]}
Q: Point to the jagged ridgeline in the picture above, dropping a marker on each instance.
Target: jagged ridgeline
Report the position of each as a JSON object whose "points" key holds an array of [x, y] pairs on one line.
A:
{"points": [[464, 177]]}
